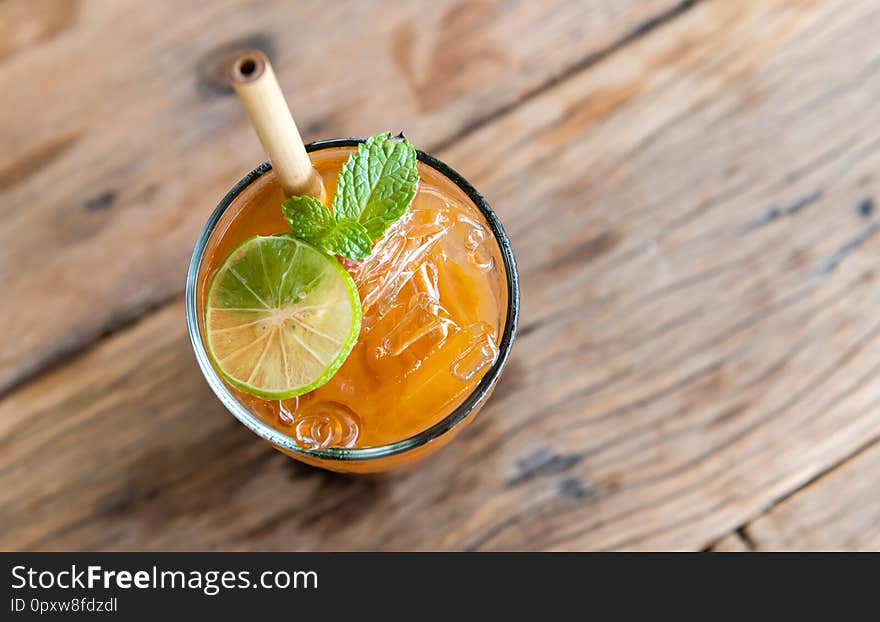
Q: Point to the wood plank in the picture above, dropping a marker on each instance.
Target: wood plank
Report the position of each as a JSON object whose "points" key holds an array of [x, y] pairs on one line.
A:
{"points": [[695, 224], [838, 512], [117, 140]]}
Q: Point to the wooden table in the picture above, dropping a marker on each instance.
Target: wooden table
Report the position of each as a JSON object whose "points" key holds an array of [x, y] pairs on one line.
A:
{"points": [[690, 191]]}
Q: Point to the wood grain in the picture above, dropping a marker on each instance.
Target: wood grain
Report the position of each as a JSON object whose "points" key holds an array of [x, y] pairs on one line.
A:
{"points": [[838, 512], [694, 218], [722, 347], [119, 138]]}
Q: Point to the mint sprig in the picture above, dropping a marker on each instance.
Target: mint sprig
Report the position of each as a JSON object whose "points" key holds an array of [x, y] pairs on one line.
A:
{"points": [[374, 189]]}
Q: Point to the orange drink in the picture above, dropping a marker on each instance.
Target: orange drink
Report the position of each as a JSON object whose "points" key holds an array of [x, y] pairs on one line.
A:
{"points": [[438, 300]]}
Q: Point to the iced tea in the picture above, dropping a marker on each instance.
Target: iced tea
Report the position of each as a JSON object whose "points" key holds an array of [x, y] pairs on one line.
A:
{"points": [[434, 297]]}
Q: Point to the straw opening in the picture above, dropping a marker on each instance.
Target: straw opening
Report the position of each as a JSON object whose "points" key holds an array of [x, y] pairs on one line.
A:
{"points": [[248, 67]]}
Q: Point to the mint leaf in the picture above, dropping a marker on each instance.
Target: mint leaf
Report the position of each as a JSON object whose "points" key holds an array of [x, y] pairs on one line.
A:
{"points": [[348, 238], [309, 219], [377, 183], [374, 189]]}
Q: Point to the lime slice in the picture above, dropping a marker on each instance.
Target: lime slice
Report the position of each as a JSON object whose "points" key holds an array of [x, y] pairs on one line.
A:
{"points": [[281, 317]]}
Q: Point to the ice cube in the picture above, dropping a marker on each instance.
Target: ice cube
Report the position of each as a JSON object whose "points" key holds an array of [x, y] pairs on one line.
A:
{"points": [[425, 321], [325, 424], [441, 381], [287, 410], [426, 280], [476, 244], [399, 255], [427, 217], [480, 352]]}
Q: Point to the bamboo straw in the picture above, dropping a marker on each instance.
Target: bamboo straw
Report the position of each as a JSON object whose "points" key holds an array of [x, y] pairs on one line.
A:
{"points": [[260, 94]]}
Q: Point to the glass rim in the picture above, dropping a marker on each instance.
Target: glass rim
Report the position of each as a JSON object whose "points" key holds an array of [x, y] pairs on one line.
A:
{"points": [[286, 442]]}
